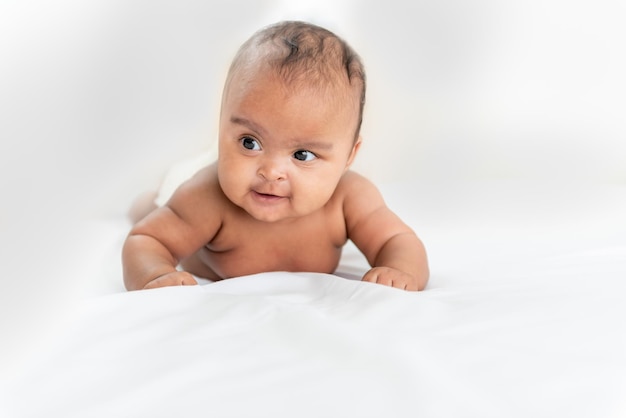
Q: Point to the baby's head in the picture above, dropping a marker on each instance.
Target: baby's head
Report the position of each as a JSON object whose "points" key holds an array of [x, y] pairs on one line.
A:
{"points": [[304, 56], [290, 120]]}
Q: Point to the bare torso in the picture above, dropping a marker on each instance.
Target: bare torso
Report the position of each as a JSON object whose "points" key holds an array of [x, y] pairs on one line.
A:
{"points": [[244, 245], [214, 238]]}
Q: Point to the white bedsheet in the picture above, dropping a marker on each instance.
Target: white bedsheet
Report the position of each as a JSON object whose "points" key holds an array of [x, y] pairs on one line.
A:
{"points": [[523, 317]]}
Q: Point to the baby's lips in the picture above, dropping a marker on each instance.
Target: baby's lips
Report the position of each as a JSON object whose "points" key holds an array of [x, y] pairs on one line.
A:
{"points": [[268, 193]]}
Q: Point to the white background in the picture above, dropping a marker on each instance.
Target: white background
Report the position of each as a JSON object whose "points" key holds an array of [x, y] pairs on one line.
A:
{"points": [[98, 98]]}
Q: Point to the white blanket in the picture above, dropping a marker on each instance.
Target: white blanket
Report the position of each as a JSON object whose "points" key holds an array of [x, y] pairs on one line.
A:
{"points": [[523, 317]]}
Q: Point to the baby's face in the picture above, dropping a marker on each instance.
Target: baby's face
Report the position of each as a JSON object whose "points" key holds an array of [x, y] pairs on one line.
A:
{"points": [[282, 152]]}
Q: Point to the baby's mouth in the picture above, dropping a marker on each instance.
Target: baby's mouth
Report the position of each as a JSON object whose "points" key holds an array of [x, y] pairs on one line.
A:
{"points": [[267, 197]]}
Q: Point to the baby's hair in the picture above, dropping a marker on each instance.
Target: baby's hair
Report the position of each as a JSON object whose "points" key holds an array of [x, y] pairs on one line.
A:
{"points": [[305, 54]]}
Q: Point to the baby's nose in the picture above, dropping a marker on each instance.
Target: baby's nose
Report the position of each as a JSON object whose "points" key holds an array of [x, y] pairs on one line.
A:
{"points": [[271, 169]]}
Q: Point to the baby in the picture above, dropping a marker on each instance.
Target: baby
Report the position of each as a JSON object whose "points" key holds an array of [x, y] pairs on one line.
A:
{"points": [[280, 196]]}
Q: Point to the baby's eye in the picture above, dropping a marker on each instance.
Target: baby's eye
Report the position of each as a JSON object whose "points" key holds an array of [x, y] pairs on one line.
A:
{"points": [[303, 155], [250, 143]]}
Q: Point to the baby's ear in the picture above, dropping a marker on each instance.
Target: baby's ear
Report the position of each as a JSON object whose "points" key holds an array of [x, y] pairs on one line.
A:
{"points": [[355, 150]]}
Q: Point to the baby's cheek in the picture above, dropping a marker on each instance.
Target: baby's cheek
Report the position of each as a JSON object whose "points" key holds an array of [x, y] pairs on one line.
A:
{"points": [[230, 188], [312, 197]]}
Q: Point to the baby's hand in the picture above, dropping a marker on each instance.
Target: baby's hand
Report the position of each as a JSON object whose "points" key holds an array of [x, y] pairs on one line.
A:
{"points": [[175, 278], [391, 277]]}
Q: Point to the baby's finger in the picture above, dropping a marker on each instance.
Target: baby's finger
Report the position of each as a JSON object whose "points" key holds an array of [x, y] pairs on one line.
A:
{"points": [[370, 277], [399, 284], [384, 279], [177, 278], [411, 286], [375, 276], [180, 278], [154, 284], [187, 279]]}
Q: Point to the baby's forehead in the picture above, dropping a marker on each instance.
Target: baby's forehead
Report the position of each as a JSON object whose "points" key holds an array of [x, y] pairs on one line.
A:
{"points": [[307, 60], [328, 87]]}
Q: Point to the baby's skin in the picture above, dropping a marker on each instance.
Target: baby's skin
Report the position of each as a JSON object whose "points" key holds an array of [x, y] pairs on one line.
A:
{"points": [[281, 196]]}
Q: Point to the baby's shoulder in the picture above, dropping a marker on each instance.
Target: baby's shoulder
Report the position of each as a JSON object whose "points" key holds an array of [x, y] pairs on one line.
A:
{"points": [[203, 187], [353, 184], [358, 194]]}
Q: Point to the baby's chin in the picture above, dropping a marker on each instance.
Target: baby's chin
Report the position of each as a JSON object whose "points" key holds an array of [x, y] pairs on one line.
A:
{"points": [[273, 219], [276, 216]]}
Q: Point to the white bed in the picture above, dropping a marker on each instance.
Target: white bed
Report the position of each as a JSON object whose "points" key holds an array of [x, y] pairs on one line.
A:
{"points": [[524, 312], [523, 317]]}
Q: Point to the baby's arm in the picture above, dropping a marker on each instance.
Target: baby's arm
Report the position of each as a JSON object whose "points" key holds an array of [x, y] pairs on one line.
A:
{"points": [[150, 256], [392, 248], [158, 242]]}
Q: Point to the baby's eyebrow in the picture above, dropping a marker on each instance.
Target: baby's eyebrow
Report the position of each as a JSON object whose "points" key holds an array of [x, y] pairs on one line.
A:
{"points": [[248, 124], [295, 144], [311, 145]]}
